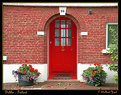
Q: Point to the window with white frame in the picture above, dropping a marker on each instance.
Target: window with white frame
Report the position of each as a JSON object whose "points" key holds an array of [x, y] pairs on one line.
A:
{"points": [[109, 37]]}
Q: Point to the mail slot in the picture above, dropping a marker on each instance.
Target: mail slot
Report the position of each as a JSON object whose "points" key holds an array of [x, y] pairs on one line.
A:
{"points": [[63, 49]]}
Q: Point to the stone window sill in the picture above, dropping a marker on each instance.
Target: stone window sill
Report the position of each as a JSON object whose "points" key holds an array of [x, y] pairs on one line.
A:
{"points": [[104, 51]]}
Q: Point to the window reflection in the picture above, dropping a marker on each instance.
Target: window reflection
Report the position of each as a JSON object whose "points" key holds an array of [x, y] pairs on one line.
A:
{"points": [[56, 41], [62, 32], [68, 33], [68, 23], [68, 41], [63, 26], [62, 23], [62, 41], [56, 23], [56, 32]]}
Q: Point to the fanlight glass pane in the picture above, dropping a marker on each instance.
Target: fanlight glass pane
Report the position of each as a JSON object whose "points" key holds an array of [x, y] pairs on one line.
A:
{"points": [[56, 32], [68, 41], [56, 41], [62, 32], [62, 41], [68, 23], [68, 33], [56, 23], [62, 23]]}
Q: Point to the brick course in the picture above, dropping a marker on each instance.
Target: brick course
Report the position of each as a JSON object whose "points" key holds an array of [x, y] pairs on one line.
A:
{"points": [[20, 39]]}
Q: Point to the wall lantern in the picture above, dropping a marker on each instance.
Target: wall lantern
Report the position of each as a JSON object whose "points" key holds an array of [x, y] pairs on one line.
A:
{"points": [[89, 11]]}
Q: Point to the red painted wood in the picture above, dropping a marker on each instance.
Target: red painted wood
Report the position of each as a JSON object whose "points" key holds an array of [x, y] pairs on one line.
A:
{"points": [[62, 60]]}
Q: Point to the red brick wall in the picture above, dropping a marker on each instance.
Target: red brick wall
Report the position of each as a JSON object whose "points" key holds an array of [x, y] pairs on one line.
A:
{"points": [[21, 42]]}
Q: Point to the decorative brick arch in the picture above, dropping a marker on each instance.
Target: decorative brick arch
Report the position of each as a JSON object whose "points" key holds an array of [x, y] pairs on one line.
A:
{"points": [[58, 15]]}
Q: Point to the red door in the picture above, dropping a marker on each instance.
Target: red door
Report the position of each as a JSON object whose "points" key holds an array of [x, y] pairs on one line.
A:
{"points": [[62, 48]]}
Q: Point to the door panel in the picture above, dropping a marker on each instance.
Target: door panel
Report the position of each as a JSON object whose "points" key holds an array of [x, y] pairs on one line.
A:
{"points": [[62, 47]]}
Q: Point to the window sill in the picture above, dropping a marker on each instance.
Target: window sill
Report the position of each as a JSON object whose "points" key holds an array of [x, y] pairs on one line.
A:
{"points": [[104, 51]]}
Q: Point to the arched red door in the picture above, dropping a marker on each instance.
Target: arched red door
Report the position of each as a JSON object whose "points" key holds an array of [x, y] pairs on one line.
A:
{"points": [[62, 48]]}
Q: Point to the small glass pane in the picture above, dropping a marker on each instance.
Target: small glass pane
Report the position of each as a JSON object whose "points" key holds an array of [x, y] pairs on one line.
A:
{"points": [[56, 41], [68, 23], [56, 32], [110, 37], [68, 33], [62, 41], [68, 41], [62, 32], [56, 23], [62, 23]]}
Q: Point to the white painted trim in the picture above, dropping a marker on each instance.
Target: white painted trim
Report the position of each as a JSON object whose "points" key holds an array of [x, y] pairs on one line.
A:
{"points": [[40, 32], [8, 68], [64, 4], [4, 57], [62, 10], [110, 23], [106, 35], [105, 51], [42, 68], [84, 33], [110, 74]]}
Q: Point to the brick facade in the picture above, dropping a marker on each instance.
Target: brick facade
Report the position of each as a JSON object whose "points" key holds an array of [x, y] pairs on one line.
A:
{"points": [[21, 42]]}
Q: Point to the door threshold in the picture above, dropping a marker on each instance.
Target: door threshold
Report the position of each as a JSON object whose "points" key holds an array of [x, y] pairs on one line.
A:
{"points": [[69, 80]]}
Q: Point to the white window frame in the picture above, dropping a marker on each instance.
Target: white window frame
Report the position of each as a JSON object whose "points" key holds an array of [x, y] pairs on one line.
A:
{"points": [[107, 33], [109, 23]]}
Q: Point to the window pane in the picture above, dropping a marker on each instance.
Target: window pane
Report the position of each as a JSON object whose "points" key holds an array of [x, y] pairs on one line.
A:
{"points": [[110, 37], [56, 32], [68, 32], [68, 41], [68, 23], [62, 41], [56, 23], [62, 23], [56, 41], [62, 32]]}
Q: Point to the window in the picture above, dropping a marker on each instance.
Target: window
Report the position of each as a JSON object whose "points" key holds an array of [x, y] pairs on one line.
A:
{"points": [[63, 35], [109, 37]]}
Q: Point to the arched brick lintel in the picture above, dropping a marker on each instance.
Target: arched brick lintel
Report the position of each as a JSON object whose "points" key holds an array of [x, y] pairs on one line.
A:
{"points": [[58, 15]]}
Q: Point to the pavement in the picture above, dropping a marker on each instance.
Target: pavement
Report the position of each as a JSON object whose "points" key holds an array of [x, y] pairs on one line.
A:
{"points": [[59, 85]]}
